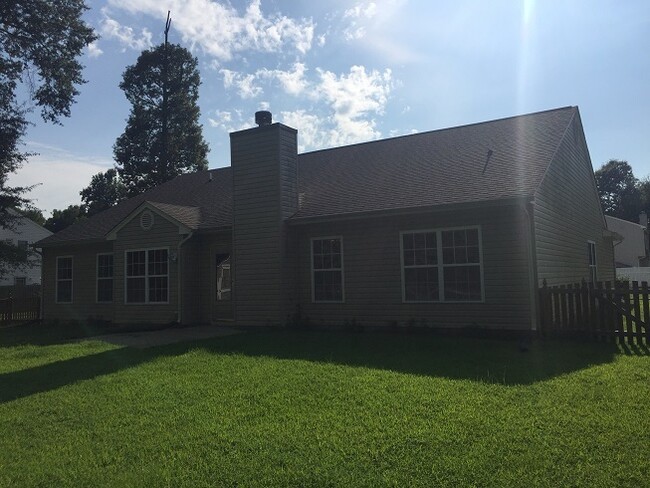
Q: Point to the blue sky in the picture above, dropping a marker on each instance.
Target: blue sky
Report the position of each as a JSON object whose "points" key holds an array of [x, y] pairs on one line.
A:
{"points": [[342, 72]]}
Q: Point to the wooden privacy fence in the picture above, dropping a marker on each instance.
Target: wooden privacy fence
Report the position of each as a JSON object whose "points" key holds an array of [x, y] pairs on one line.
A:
{"points": [[603, 311], [20, 304]]}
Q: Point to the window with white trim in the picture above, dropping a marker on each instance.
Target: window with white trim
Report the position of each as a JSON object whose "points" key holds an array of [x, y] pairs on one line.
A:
{"points": [[442, 265], [147, 276], [64, 279], [104, 278], [327, 269], [593, 264]]}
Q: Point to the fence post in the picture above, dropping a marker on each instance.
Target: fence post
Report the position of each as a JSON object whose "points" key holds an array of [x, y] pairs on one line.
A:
{"points": [[543, 308]]}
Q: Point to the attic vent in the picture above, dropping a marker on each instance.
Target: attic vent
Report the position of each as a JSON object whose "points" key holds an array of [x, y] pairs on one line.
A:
{"points": [[146, 220]]}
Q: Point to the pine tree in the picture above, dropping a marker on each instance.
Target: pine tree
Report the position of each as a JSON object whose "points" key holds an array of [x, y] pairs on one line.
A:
{"points": [[163, 137]]}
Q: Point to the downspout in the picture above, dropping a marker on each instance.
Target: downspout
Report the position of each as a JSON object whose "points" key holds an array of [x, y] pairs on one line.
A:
{"points": [[41, 309], [179, 260], [532, 268]]}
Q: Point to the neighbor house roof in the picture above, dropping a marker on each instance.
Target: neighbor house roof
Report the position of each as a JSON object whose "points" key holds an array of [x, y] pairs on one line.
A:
{"points": [[495, 160]]}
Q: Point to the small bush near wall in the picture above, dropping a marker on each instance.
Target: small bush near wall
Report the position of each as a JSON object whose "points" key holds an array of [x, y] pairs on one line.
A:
{"points": [[297, 321]]}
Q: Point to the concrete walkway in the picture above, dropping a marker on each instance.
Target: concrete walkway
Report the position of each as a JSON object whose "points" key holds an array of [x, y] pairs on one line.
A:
{"points": [[166, 336]]}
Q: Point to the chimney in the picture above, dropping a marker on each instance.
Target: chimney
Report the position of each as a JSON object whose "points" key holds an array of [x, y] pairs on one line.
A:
{"points": [[265, 194], [643, 219], [263, 117]]}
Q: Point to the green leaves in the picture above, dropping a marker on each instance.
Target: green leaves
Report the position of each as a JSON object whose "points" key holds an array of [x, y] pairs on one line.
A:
{"points": [[104, 191]]}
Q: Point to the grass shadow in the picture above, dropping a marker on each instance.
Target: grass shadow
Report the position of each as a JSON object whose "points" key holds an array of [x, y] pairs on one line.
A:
{"points": [[482, 360], [48, 334], [486, 360]]}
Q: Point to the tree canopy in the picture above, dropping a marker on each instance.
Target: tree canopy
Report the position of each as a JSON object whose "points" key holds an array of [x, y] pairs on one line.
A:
{"points": [[61, 219], [40, 43], [104, 191], [619, 190], [163, 137]]}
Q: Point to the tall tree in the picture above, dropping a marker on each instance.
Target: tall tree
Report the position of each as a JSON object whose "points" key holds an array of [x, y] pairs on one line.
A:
{"points": [[61, 219], [34, 214], [104, 191], [163, 137], [40, 43], [619, 190]]}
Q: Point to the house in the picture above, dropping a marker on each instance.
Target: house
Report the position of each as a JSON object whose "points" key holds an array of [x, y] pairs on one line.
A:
{"points": [[631, 249], [25, 233], [450, 228]]}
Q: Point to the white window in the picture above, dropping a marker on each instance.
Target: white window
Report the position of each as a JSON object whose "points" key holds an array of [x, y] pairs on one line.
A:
{"points": [[223, 277], [442, 265], [593, 264], [147, 276], [327, 269], [64, 279], [104, 278]]}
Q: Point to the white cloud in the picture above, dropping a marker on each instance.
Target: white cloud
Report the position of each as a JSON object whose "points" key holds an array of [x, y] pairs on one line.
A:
{"points": [[125, 35], [221, 31], [59, 174], [230, 121], [353, 98], [349, 102], [368, 11], [93, 50], [312, 130], [245, 84], [359, 14], [292, 81]]}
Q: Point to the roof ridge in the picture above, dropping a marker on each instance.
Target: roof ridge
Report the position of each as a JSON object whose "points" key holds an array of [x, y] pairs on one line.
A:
{"points": [[386, 139]]}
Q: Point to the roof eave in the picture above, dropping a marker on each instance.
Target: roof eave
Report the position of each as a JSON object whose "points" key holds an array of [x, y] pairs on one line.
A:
{"points": [[72, 242]]}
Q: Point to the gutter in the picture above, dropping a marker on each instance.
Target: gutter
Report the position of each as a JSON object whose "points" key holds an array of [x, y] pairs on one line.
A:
{"points": [[179, 260], [292, 221], [41, 310]]}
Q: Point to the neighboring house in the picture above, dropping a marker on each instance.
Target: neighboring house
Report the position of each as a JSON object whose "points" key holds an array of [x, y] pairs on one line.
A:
{"points": [[449, 228], [631, 249], [25, 233]]}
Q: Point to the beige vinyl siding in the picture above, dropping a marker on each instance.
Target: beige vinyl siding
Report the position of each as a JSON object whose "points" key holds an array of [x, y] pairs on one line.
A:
{"points": [[84, 304], [163, 234], [567, 214], [263, 163], [373, 287]]}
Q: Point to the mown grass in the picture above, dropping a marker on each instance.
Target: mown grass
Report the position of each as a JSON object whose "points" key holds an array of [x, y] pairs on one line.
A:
{"points": [[322, 409]]}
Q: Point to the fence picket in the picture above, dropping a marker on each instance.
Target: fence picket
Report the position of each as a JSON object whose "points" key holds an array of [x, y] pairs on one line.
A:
{"points": [[638, 332], [571, 315], [604, 311]]}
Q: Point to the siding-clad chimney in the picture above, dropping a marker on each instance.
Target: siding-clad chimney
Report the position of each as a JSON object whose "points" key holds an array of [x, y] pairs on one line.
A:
{"points": [[265, 194]]}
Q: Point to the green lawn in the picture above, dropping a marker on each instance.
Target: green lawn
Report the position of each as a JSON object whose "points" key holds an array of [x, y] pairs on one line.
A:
{"points": [[322, 409]]}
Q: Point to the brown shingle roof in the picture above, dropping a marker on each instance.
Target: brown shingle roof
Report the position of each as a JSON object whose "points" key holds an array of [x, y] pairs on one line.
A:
{"points": [[440, 167]]}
